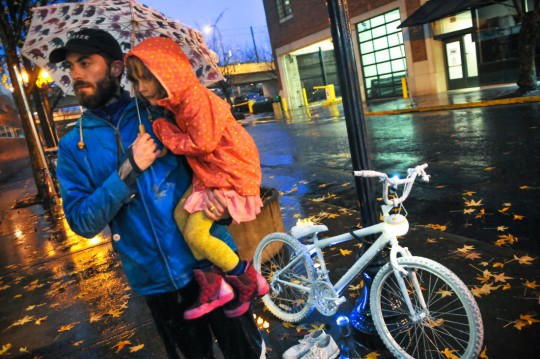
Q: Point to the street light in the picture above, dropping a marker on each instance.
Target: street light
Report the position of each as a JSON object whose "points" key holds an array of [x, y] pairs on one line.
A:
{"points": [[213, 29]]}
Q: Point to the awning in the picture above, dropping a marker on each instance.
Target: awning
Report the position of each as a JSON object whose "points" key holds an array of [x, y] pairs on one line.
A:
{"points": [[437, 9]]}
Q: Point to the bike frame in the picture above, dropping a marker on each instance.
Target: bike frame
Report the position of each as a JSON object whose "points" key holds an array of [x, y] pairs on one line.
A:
{"points": [[387, 237]]}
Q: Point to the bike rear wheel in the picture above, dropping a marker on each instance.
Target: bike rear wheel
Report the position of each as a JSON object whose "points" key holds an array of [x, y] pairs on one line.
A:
{"points": [[290, 297], [452, 325]]}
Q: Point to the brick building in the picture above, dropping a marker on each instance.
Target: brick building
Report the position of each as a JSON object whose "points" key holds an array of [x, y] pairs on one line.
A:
{"points": [[452, 47]]}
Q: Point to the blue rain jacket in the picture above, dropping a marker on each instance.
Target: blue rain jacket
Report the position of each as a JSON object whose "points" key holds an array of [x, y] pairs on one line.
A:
{"points": [[152, 250]]}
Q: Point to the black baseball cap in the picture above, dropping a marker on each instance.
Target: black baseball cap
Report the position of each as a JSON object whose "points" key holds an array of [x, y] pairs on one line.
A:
{"points": [[89, 41]]}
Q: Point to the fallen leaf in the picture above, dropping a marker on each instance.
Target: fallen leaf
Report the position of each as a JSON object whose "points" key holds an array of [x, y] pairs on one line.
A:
{"points": [[502, 228], [373, 355], [489, 168], [121, 344], [78, 343], [66, 328], [524, 187], [444, 293], [136, 348], [468, 193], [481, 213], [483, 355], [465, 248], [449, 353], [436, 227], [518, 217], [507, 204], [468, 210], [5, 348], [506, 286], [505, 209], [498, 264], [473, 255], [345, 252], [531, 285], [524, 259], [115, 313], [288, 325], [40, 320], [501, 277], [472, 203]]}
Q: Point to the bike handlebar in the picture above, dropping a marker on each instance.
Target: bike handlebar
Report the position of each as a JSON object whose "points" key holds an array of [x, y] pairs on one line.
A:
{"points": [[395, 182]]}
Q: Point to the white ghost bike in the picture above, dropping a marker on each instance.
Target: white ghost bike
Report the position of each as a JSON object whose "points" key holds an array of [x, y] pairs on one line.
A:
{"points": [[419, 307]]}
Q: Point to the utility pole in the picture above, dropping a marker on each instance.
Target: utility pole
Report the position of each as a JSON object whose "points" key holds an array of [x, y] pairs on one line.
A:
{"points": [[254, 44], [352, 106]]}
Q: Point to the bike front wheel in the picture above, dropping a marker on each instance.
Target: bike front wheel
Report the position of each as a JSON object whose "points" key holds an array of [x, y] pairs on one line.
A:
{"points": [[449, 325], [280, 259]]}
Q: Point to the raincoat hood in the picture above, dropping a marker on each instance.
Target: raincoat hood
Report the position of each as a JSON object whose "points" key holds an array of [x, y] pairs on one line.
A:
{"points": [[169, 64]]}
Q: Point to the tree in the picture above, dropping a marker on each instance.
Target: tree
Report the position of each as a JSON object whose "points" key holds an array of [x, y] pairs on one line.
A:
{"points": [[528, 35], [15, 16]]}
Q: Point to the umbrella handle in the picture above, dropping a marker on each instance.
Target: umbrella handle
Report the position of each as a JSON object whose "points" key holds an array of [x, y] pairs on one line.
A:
{"points": [[141, 129]]}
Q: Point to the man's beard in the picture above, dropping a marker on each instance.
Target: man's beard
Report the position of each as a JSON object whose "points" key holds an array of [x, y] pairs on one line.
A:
{"points": [[106, 88]]}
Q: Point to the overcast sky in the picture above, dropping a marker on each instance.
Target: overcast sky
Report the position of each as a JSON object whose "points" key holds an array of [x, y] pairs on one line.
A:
{"points": [[234, 25]]}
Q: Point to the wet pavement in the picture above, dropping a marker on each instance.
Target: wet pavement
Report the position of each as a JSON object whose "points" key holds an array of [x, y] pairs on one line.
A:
{"points": [[62, 296]]}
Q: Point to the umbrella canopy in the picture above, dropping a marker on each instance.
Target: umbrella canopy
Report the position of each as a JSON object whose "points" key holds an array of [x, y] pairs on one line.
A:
{"points": [[128, 21]]}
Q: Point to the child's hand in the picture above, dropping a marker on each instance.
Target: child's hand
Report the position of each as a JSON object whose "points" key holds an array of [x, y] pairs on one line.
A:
{"points": [[164, 128]]}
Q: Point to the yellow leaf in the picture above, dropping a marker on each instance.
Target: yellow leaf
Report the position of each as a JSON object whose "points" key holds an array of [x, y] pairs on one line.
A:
{"points": [[524, 260], [531, 285], [66, 328], [468, 193], [465, 248], [95, 318], [501, 228], [436, 227], [23, 350], [449, 353], [136, 348], [5, 348], [524, 187], [472, 203], [357, 287], [468, 210], [431, 240], [78, 343], [373, 355], [473, 255], [121, 344], [498, 264], [520, 324], [315, 327], [489, 168], [40, 320], [444, 293], [483, 355], [506, 286], [440, 186], [115, 313], [507, 204], [481, 213], [345, 252], [528, 318], [518, 217], [504, 209], [288, 325], [501, 277]]}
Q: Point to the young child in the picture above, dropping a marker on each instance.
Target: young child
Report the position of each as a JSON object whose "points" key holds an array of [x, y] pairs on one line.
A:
{"points": [[222, 155]]}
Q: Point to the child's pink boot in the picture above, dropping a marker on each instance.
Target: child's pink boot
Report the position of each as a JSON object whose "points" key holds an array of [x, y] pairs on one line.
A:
{"points": [[247, 285], [214, 292]]}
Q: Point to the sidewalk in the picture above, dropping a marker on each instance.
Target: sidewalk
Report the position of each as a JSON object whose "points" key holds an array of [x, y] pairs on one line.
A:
{"points": [[499, 95]]}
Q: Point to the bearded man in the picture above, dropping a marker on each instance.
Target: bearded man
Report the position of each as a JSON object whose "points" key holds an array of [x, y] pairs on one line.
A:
{"points": [[111, 174]]}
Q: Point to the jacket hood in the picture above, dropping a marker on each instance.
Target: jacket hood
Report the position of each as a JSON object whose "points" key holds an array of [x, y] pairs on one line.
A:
{"points": [[168, 63]]}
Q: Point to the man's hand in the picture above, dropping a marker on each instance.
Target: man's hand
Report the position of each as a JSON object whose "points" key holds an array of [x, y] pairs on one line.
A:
{"points": [[216, 205], [145, 151]]}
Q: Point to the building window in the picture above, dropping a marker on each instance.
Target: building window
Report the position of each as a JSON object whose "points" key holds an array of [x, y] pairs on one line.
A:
{"points": [[383, 55], [284, 9]]}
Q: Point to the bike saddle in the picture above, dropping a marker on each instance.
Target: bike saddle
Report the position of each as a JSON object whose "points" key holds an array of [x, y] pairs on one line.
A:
{"points": [[302, 231]]}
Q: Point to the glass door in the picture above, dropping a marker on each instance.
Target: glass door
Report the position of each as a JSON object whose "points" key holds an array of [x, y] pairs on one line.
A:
{"points": [[462, 67]]}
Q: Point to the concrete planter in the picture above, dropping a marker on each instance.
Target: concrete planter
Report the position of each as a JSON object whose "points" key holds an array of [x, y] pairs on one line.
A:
{"points": [[248, 235]]}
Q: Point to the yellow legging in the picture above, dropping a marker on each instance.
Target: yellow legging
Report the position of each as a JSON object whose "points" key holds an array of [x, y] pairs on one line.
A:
{"points": [[195, 228]]}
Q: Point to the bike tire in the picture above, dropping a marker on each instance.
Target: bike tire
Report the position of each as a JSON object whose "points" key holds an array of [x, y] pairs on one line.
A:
{"points": [[454, 324], [286, 302]]}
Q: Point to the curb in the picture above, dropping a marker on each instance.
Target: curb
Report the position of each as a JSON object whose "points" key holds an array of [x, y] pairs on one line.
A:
{"points": [[500, 102]]}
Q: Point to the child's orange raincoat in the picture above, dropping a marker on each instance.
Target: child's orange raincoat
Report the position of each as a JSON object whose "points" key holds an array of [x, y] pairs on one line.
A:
{"points": [[219, 150]]}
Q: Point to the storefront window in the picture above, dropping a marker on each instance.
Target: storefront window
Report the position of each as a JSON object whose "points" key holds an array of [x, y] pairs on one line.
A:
{"points": [[382, 54]]}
